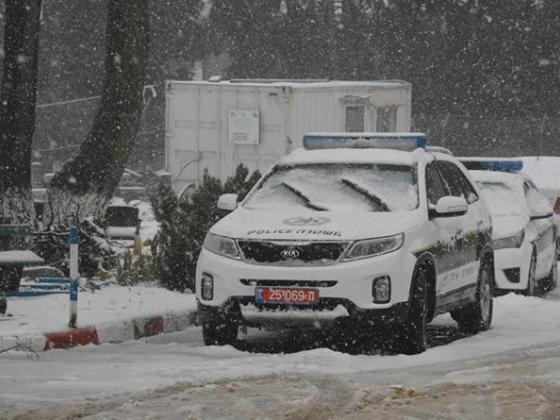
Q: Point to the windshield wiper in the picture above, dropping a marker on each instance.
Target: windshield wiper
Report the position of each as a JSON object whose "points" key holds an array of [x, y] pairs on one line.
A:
{"points": [[306, 199], [372, 197]]}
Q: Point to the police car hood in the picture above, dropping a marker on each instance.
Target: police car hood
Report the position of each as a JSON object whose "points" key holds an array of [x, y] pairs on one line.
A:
{"points": [[508, 225], [314, 225]]}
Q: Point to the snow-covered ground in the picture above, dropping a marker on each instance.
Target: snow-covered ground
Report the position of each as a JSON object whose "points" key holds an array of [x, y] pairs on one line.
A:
{"points": [[37, 315], [510, 371]]}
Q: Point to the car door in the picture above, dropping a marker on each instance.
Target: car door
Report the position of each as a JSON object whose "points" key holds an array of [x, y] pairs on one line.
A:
{"points": [[460, 275], [448, 249], [545, 240], [475, 222]]}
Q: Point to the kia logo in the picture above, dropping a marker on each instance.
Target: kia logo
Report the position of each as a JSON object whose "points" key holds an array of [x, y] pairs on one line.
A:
{"points": [[306, 221], [289, 253]]}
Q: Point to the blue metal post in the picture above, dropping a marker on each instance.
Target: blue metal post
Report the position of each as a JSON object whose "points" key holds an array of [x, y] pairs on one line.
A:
{"points": [[72, 323], [74, 276]]}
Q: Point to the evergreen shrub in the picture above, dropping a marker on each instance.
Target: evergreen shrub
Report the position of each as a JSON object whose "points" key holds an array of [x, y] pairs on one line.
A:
{"points": [[184, 222]]}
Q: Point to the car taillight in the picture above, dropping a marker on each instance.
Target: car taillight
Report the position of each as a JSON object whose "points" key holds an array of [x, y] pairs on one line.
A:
{"points": [[557, 206]]}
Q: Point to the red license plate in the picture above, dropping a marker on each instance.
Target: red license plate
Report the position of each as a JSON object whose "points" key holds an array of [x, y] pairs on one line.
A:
{"points": [[286, 296]]}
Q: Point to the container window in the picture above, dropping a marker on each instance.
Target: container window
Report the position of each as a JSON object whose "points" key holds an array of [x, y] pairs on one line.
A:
{"points": [[386, 119], [354, 119]]}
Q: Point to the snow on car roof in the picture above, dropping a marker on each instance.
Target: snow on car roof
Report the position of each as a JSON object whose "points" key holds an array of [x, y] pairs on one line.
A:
{"points": [[376, 156]]}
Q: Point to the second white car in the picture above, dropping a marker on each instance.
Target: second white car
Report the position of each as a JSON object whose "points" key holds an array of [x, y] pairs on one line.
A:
{"points": [[524, 234]]}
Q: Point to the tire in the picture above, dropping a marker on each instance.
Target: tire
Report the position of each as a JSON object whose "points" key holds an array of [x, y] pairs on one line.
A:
{"points": [[411, 337], [551, 281], [532, 288], [220, 325], [344, 337], [477, 316], [219, 330]]}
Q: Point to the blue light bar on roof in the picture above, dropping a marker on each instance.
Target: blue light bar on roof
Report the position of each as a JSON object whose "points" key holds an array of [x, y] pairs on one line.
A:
{"points": [[502, 165], [395, 141]]}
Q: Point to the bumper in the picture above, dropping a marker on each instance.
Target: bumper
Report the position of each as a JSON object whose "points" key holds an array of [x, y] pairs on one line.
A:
{"points": [[349, 282], [244, 311], [510, 261]]}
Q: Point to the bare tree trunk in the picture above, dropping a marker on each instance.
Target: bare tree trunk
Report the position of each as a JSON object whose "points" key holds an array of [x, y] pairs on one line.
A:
{"points": [[17, 108], [87, 181]]}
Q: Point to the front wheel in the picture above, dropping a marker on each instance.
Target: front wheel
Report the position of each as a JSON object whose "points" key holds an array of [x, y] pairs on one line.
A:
{"points": [[411, 337], [218, 328], [532, 286], [551, 281], [477, 316]]}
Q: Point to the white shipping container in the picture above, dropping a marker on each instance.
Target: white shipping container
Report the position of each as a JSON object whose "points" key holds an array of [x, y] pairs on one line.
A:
{"points": [[217, 125]]}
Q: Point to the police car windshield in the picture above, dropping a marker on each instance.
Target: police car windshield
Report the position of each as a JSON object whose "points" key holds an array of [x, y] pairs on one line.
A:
{"points": [[503, 200], [323, 187]]}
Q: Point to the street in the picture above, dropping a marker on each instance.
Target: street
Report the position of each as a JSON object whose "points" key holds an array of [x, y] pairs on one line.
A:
{"points": [[511, 371]]}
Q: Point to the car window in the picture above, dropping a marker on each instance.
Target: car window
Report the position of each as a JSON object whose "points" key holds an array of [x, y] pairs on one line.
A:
{"points": [[451, 178], [468, 189], [533, 195], [434, 184]]}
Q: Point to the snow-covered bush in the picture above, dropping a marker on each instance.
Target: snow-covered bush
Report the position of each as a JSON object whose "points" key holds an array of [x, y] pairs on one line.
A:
{"points": [[184, 222], [95, 253], [133, 269]]}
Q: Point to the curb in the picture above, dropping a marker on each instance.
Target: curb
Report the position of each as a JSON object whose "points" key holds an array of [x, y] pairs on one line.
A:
{"points": [[114, 332]]}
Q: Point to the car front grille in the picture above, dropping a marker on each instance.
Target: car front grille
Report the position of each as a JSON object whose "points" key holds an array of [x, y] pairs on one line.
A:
{"points": [[288, 283], [294, 254]]}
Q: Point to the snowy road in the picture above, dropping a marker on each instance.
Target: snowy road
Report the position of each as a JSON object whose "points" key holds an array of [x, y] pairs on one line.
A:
{"points": [[511, 371]]}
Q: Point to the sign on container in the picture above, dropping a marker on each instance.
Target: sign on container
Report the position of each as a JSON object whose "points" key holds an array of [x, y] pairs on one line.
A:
{"points": [[243, 127]]}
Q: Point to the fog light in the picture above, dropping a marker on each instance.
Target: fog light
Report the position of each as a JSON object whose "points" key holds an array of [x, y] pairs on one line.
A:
{"points": [[381, 289], [207, 287]]}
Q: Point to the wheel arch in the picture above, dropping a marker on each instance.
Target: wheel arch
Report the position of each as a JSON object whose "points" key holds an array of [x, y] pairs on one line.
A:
{"points": [[487, 257], [487, 252], [427, 262]]}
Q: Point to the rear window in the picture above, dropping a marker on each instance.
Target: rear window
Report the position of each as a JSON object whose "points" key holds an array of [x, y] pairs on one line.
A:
{"points": [[502, 199], [121, 216]]}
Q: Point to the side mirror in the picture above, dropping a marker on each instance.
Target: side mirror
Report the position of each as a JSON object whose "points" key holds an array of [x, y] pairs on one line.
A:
{"points": [[227, 202], [541, 210], [450, 206]]}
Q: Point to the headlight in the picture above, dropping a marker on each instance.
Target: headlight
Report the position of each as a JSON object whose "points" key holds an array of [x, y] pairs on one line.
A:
{"points": [[514, 241], [372, 247], [221, 246]]}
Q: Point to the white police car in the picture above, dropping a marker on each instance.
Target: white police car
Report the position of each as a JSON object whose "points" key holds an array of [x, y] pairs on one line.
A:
{"points": [[366, 227], [524, 234]]}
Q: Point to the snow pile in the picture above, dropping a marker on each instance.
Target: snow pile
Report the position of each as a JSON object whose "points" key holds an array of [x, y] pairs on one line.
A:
{"points": [[37, 315]]}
